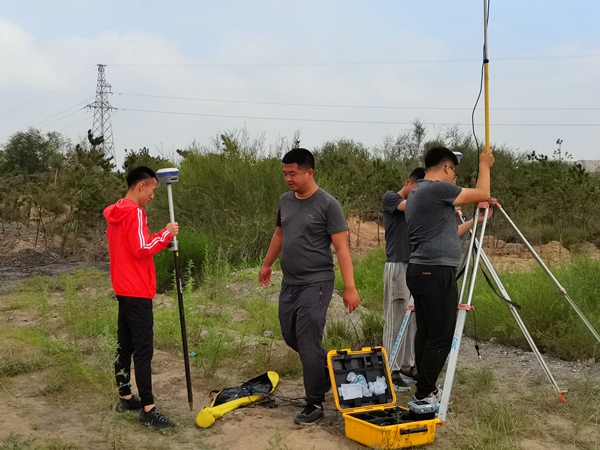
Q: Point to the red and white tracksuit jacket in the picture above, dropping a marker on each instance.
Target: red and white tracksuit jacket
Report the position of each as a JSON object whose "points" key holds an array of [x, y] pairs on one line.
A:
{"points": [[131, 249]]}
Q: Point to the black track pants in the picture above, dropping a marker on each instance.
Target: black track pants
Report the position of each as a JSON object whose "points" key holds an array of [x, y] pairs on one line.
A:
{"points": [[302, 316], [435, 292], [135, 337]]}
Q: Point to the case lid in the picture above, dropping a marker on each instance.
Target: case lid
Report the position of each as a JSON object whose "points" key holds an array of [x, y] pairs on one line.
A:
{"points": [[368, 362]]}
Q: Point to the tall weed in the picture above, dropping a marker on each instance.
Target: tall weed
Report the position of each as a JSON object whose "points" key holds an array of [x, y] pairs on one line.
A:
{"points": [[368, 277], [193, 247], [554, 325], [230, 196]]}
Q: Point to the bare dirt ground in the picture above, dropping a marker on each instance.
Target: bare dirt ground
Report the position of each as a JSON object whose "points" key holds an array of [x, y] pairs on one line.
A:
{"points": [[505, 257], [89, 422], [24, 253]]}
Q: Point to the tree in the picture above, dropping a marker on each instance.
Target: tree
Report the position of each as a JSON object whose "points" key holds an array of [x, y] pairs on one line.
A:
{"points": [[143, 158], [30, 152], [87, 185], [30, 162]]}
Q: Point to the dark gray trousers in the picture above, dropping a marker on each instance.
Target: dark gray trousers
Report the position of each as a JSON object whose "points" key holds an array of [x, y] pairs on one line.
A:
{"points": [[302, 315]]}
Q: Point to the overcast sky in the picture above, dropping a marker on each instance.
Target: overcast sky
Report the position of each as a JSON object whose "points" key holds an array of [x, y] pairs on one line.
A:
{"points": [[402, 59]]}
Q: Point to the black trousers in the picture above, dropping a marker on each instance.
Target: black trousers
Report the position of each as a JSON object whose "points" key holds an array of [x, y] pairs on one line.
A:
{"points": [[435, 292], [135, 337], [302, 316]]}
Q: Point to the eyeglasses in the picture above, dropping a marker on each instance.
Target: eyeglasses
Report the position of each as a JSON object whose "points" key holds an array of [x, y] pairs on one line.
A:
{"points": [[453, 170]]}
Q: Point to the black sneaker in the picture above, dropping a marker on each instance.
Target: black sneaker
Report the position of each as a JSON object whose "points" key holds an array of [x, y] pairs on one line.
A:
{"points": [[410, 375], [399, 384], [133, 404], [311, 413], [155, 419]]}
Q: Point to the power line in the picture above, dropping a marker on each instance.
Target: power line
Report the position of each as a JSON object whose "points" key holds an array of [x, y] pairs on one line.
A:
{"points": [[58, 114], [355, 121], [62, 118], [360, 63], [69, 126], [73, 124], [48, 92], [353, 106]]}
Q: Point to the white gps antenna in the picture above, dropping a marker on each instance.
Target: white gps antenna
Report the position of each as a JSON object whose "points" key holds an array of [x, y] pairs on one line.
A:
{"points": [[458, 156]]}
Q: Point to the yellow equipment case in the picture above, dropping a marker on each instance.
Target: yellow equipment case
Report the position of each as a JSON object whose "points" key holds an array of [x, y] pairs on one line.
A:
{"points": [[375, 421]]}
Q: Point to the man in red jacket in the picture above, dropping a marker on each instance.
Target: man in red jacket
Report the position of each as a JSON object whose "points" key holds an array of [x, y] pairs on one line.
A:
{"points": [[133, 277]]}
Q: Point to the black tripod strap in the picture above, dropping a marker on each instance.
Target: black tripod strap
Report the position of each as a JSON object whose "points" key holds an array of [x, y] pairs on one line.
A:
{"points": [[461, 272], [491, 285]]}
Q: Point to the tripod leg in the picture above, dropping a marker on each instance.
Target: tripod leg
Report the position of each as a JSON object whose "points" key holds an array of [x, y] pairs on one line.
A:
{"points": [[560, 289], [460, 325], [517, 317], [461, 318]]}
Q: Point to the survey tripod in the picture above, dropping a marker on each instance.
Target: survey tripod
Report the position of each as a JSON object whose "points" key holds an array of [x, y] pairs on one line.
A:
{"points": [[475, 247], [471, 266]]}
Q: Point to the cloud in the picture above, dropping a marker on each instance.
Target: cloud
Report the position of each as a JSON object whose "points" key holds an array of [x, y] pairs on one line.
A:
{"points": [[31, 66]]}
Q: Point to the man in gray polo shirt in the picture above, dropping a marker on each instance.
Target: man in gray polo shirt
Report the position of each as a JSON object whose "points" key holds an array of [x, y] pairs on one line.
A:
{"points": [[395, 292], [309, 220], [435, 252]]}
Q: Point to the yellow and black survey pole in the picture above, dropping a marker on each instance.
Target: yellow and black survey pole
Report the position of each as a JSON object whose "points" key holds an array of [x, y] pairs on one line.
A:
{"points": [[168, 177], [486, 80]]}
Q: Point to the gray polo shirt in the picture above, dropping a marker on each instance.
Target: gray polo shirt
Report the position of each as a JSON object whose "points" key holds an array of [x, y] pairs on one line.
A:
{"points": [[307, 226], [431, 224], [396, 237]]}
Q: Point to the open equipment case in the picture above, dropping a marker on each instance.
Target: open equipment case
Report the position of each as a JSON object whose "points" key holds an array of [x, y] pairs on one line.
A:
{"points": [[375, 421]]}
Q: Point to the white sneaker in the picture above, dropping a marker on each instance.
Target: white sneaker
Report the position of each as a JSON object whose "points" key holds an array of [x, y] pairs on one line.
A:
{"points": [[435, 398]]}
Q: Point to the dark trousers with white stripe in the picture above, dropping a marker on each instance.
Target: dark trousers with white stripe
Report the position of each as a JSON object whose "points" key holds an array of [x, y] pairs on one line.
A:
{"points": [[135, 338]]}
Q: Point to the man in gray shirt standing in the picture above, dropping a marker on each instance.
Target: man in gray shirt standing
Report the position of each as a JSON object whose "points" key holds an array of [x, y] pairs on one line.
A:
{"points": [[435, 252], [309, 220], [395, 291]]}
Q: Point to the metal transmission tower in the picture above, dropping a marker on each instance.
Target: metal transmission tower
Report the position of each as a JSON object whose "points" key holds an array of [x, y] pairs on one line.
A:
{"points": [[101, 131]]}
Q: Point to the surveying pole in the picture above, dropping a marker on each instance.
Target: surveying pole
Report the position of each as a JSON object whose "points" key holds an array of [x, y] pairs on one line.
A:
{"points": [[486, 78], [168, 177]]}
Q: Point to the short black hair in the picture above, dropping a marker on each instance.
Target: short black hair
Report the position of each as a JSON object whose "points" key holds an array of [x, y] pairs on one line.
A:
{"points": [[138, 174], [300, 156], [439, 155], [417, 174]]}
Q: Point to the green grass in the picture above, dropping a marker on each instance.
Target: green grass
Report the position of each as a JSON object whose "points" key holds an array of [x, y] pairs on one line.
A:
{"points": [[480, 381], [368, 277], [552, 322], [194, 250], [340, 335], [17, 365], [227, 315], [554, 325], [16, 442]]}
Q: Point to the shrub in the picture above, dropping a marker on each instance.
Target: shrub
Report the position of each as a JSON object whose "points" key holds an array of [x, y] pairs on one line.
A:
{"points": [[193, 247]]}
